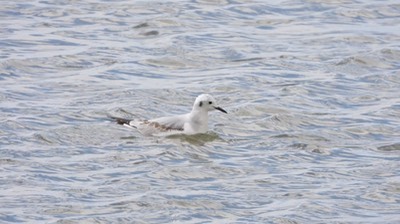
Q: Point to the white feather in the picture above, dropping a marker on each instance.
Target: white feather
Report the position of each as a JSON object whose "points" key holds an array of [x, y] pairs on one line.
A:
{"points": [[192, 123]]}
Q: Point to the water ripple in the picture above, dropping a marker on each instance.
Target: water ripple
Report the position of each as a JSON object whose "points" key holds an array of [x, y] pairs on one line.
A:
{"points": [[311, 90]]}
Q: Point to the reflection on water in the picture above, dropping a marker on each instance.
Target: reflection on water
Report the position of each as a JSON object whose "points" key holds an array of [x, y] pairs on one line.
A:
{"points": [[198, 139], [311, 87]]}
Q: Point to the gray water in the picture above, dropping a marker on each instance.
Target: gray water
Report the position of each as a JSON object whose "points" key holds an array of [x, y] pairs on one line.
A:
{"points": [[312, 89]]}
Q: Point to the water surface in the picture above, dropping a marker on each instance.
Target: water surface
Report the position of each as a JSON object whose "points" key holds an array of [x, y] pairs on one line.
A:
{"points": [[311, 87]]}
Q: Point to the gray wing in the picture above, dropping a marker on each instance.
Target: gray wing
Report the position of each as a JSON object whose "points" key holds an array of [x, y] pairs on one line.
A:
{"points": [[170, 123], [160, 126]]}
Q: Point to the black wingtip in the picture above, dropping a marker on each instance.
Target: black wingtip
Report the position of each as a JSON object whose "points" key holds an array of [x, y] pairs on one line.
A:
{"points": [[120, 121]]}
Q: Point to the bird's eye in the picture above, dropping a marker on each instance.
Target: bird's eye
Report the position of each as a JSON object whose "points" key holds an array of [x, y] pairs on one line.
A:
{"points": [[210, 102]]}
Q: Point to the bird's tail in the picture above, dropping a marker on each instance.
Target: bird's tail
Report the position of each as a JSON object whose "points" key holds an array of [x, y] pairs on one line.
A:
{"points": [[119, 120]]}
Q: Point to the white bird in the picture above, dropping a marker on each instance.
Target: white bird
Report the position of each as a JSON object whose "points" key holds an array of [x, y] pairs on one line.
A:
{"points": [[191, 123]]}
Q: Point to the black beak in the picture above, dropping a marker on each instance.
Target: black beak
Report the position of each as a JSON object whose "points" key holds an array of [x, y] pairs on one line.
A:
{"points": [[220, 109]]}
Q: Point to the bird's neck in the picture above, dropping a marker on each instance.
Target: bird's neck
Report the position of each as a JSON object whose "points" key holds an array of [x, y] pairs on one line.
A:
{"points": [[199, 115], [200, 118]]}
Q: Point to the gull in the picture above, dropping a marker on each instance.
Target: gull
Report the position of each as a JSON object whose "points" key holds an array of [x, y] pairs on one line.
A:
{"points": [[191, 123]]}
